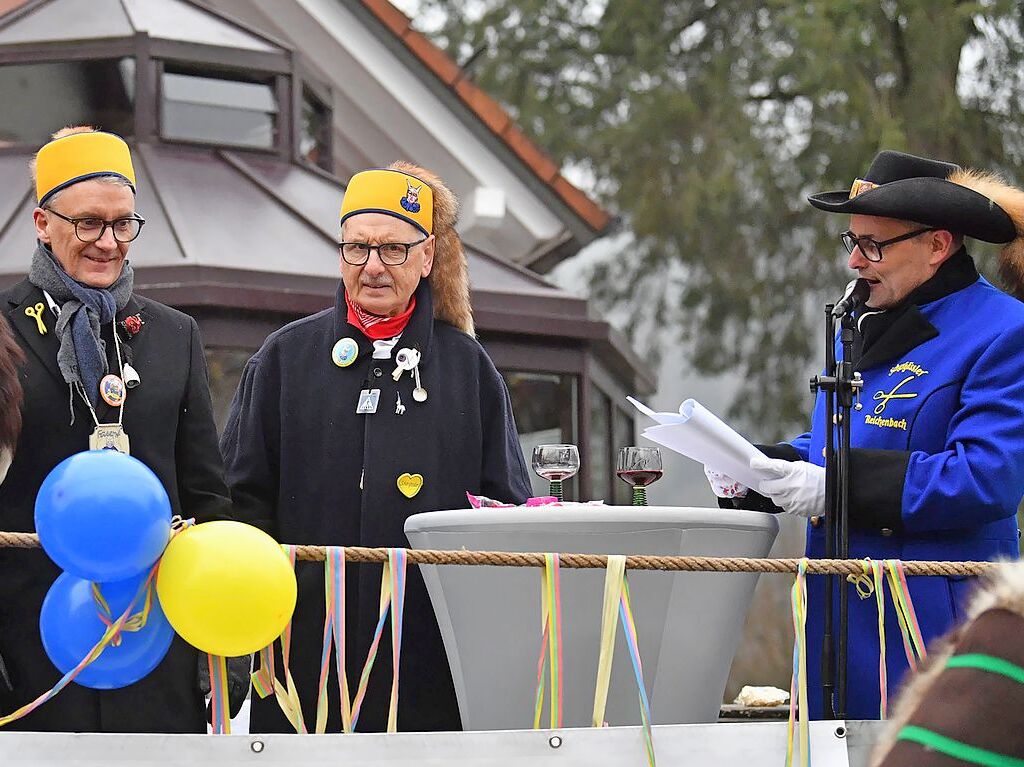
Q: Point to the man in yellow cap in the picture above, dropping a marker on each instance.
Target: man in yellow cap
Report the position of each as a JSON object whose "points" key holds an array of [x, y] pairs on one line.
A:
{"points": [[348, 422], [103, 368]]}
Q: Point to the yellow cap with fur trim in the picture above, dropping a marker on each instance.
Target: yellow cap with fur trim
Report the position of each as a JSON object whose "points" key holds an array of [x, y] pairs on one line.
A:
{"points": [[80, 156], [392, 192]]}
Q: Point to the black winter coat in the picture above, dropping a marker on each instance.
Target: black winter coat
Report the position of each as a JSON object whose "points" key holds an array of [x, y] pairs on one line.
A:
{"points": [[169, 420], [301, 461]]}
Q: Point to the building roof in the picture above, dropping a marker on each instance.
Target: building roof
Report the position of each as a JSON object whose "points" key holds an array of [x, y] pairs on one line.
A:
{"points": [[490, 112], [236, 230], [33, 21], [38, 21]]}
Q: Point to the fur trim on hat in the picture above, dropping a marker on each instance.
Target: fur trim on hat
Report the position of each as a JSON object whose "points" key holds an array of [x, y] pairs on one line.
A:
{"points": [[11, 357], [449, 277], [1010, 199], [1002, 591]]}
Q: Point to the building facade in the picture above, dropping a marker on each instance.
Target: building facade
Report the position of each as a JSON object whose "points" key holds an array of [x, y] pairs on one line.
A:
{"points": [[246, 116]]}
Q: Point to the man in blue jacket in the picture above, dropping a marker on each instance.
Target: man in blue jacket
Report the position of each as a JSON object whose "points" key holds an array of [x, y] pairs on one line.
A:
{"points": [[937, 465]]}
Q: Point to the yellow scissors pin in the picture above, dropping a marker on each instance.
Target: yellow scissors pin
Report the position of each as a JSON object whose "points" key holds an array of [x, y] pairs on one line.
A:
{"points": [[36, 313], [883, 397]]}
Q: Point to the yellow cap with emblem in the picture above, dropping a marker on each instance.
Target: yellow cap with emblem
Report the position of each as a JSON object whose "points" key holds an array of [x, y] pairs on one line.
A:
{"points": [[392, 192], [80, 156]]}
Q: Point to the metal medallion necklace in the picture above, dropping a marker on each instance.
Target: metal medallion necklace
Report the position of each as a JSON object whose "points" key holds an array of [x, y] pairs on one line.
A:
{"points": [[106, 436], [109, 436]]}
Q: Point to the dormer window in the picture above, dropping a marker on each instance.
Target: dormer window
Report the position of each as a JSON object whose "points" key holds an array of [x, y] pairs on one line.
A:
{"points": [[41, 97], [218, 109], [315, 130]]}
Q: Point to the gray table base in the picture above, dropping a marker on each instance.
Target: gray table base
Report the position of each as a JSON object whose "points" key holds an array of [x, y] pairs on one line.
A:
{"points": [[688, 624]]}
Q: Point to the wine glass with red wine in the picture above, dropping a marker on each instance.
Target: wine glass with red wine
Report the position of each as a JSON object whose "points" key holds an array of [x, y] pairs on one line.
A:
{"points": [[556, 463], [639, 467]]}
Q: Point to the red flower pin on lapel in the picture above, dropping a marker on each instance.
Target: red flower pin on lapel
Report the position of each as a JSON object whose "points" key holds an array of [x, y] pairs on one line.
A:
{"points": [[132, 324]]}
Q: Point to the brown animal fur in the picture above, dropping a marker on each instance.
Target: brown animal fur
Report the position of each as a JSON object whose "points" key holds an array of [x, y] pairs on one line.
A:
{"points": [[10, 388], [1004, 591], [449, 278], [1010, 199]]}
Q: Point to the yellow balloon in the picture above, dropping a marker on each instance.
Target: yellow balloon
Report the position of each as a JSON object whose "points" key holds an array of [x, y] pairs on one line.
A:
{"points": [[226, 587]]}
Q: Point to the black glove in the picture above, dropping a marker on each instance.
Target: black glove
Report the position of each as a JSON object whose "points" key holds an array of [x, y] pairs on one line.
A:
{"points": [[239, 677]]}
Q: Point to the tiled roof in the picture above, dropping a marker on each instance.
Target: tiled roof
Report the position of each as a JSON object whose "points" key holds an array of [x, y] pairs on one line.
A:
{"points": [[10, 5], [490, 112]]}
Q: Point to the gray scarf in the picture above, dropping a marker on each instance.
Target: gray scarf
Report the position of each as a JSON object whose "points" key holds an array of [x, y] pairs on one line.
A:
{"points": [[82, 356]]}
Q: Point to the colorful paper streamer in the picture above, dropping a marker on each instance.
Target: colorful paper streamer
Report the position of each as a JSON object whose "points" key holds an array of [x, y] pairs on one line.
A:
{"points": [[616, 605], [798, 740], [551, 643]]}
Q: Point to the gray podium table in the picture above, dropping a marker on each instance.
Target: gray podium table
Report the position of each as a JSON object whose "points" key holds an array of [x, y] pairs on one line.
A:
{"points": [[688, 624]]}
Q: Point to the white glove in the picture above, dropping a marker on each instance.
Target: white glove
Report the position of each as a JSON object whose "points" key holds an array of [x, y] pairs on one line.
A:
{"points": [[724, 486], [794, 486]]}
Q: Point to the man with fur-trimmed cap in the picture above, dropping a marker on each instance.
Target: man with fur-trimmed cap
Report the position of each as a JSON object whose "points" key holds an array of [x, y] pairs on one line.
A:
{"points": [[100, 367], [937, 465], [350, 421]]}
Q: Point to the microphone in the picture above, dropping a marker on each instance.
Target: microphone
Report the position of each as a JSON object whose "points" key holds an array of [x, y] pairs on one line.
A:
{"points": [[857, 292]]}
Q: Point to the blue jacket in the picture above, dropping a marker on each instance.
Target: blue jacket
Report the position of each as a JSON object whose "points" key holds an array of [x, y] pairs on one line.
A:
{"points": [[937, 466]]}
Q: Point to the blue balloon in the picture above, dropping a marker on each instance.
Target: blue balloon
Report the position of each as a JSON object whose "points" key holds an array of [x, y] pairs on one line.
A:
{"points": [[103, 516], [70, 626]]}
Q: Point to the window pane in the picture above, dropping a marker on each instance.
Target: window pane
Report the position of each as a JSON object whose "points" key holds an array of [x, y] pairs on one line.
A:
{"points": [[43, 98], [599, 438], [225, 368], [218, 110], [622, 436], [315, 131], [545, 409]]}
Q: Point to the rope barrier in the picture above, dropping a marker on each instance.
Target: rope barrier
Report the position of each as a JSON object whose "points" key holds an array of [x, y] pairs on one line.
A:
{"points": [[600, 561]]}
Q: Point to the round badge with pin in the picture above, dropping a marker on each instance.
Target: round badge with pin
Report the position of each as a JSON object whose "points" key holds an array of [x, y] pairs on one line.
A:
{"points": [[345, 352], [112, 390]]}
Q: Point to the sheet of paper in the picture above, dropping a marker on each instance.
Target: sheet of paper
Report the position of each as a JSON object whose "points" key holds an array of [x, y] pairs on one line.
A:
{"points": [[700, 435]]}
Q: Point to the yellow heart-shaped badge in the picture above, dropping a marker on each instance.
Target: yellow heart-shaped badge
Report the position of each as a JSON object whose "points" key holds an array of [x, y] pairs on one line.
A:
{"points": [[410, 484]]}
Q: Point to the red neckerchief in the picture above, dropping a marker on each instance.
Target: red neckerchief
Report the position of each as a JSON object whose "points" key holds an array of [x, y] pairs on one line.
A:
{"points": [[373, 325]]}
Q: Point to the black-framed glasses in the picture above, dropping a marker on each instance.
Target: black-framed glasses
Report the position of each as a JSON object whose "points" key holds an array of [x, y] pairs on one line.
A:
{"points": [[390, 253], [90, 229], [870, 248]]}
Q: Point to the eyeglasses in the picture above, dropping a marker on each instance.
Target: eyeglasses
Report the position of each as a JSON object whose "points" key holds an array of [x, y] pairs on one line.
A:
{"points": [[870, 248], [92, 229], [390, 253]]}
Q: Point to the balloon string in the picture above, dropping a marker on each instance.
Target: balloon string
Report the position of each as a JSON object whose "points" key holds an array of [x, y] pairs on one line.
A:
{"points": [[136, 622], [112, 632], [108, 636]]}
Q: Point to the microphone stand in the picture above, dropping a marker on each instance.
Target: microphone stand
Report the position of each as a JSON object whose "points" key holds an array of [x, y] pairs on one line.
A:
{"points": [[840, 386]]}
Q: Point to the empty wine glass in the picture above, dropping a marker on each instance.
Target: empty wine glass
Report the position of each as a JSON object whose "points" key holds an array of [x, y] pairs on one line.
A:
{"points": [[639, 467], [555, 463]]}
